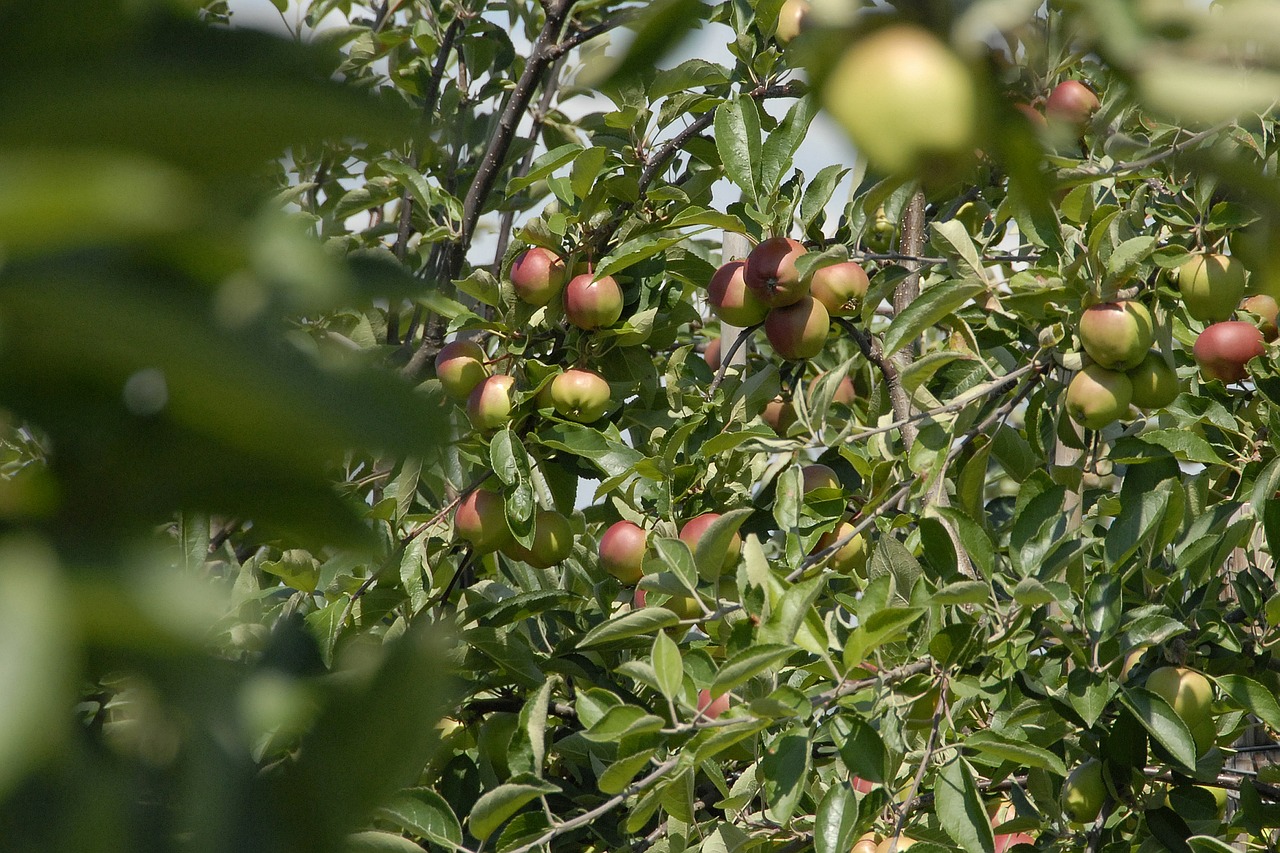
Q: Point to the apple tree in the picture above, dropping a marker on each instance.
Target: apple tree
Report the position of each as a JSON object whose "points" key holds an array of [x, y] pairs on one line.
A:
{"points": [[465, 425]]}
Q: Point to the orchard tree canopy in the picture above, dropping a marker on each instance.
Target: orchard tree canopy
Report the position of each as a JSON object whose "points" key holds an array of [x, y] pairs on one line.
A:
{"points": [[465, 425]]}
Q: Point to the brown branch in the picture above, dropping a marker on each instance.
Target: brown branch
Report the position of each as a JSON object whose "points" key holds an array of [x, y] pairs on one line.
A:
{"points": [[586, 35], [727, 358], [907, 291]]}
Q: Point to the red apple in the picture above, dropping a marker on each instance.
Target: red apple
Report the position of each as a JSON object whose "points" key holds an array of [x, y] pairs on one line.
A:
{"points": [[638, 598], [844, 394], [906, 100], [537, 275], [1032, 115], [771, 272], [1071, 102], [1211, 285], [1004, 843], [552, 541], [592, 304], [711, 354], [622, 550], [840, 288], [1223, 349], [460, 367], [779, 414], [694, 529], [490, 404], [798, 330], [1116, 335], [1097, 397], [862, 786], [791, 20], [580, 395], [731, 300], [1267, 310], [712, 708], [481, 519]]}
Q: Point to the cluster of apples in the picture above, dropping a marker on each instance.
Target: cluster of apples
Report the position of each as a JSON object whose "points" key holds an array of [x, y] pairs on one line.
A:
{"points": [[1212, 286], [1125, 370], [1189, 694], [796, 310]]}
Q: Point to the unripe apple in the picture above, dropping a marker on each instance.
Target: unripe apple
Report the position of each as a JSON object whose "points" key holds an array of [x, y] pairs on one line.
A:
{"points": [[1223, 349], [840, 288], [1116, 335], [1188, 692], [1084, 792], [1267, 310], [890, 844], [711, 354], [852, 557], [1205, 735], [819, 476], [686, 607], [580, 395], [730, 298], [712, 708], [538, 275], [904, 98], [779, 414], [866, 843], [694, 529], [879, 237], [798, 330], [592, 304], [490, 404], [460, 367], [791, 20], [481, 519], [1211, 285], [771, 272], [1071, 102], [552, 541], [1097, 397], [622, 550], [1155, 384]]}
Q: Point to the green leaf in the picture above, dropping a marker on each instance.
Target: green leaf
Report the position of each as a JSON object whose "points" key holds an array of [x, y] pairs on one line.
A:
{"points": [[715, 542], [953, 235], [667, 665], [659, 29], [1009, 749], [424, 813], [1126, 257], [586, 170], [617, 776], [883, 626], [373, 841], [783, 771], [495, 807], [1164, 726], [1184, 444], [963, 592], [746, 664], [790, 612], [1252, 696], [960, 808], [640, 249], [935, 304], [627, 625], [781, 145], [737, 126], [620, 720], [544, 166], [836, 820]]}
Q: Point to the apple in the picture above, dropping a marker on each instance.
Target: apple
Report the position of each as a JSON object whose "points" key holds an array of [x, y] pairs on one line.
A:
{"points": [[638, 598], [879, 237], [730, 298], [460, 367], [481, 519], [622, 550], [890, 844], [852, 558], [1084, 792], [1117, 335], [1155, 385], [818, 476], [1188, 692], [694, 529], [686, 607], [1211, 285], [771, 272], [845, 393], [799, 330], [1032, 115], [1097, 397], [861, 786], [840, 288], [779, 414], [905, 99], [1267, 310], [1071, 102], [591, 303], [538, 275], [1205, 735], [1223, 349], [711, 354], [712, 708], [580, 395], [552, 541], [490, 404], [791, 20], [866, 843], [1005, 843]]}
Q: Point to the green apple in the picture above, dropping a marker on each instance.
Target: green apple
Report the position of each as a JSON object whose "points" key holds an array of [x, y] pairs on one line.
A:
{"points": [[1188, 692], [1155, 384], [552, 541], [460, 367], [580, 395], [1211, 285], [1097, 397], [1084, 792]]}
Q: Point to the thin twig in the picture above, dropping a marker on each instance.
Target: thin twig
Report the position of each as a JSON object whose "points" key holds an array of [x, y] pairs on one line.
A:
{"points": [[727, 358]]}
